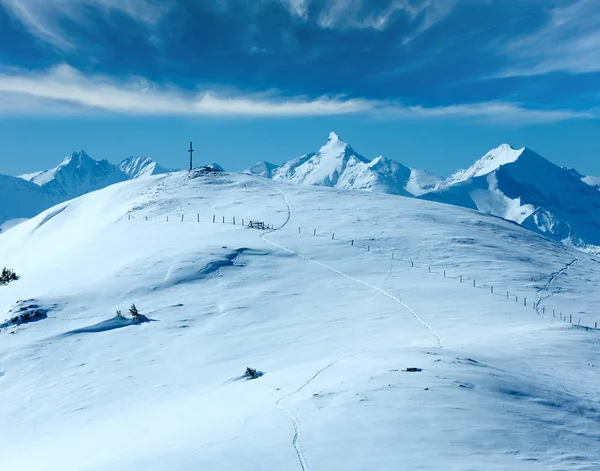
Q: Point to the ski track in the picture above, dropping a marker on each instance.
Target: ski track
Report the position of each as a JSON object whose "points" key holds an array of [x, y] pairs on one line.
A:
{"points": [[297, 431], [323, 265]]}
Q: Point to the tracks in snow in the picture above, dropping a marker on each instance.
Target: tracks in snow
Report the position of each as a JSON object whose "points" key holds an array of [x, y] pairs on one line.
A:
{"points": [[296, 425], [540, 299], [338, 272], [295, 440]]}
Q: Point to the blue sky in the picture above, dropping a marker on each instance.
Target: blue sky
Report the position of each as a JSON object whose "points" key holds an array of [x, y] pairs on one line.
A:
{"points": [[431, 83]]}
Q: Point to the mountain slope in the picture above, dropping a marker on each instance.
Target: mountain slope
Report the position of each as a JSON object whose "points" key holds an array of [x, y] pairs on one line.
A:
{"points": [[262, 169], [137, 167], [332, 326], [20, 199], [521, 186]]}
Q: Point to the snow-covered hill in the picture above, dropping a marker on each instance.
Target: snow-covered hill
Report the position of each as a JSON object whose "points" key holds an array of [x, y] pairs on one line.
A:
{"points": [[337, 165], [333, 327], [136, 167], [521, 186]]}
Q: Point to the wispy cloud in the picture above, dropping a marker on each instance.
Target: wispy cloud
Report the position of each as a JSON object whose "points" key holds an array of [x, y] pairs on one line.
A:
{"points": [[46, 18], [63, 89], [568, 42]]}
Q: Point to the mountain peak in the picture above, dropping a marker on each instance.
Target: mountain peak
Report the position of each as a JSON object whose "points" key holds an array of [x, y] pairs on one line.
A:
{"points": [[333, 136], [140, 166], [493, 160], [77, 156]]}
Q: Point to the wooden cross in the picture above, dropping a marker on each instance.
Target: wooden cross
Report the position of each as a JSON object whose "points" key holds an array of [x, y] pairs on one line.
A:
{"points": [[191, 151]]}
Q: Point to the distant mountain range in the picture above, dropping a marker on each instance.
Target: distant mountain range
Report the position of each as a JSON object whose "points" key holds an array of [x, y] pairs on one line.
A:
{"points": [[514, 184], [78, 174]]}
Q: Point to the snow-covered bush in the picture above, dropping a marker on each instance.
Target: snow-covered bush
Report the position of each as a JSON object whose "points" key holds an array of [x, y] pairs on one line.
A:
{"points": [[7, 276], [252, 373], [136, 315]]}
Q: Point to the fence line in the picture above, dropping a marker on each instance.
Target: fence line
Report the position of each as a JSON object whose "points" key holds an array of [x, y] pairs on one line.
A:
{"points": [[493, 290], [522, 300]]}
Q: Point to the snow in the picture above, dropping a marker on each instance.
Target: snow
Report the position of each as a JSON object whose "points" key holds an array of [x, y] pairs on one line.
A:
{"points": [[331, 325], [493, 160], [76, 175], [592, 181], [523, 187], [262, 169], [138, 167], [337, 165], [19, 200]]}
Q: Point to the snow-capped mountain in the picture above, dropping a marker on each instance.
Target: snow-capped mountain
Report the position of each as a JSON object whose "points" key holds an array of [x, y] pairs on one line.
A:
{"points": [[337, 165], [136, 167], [77, 175], [521, 186]]}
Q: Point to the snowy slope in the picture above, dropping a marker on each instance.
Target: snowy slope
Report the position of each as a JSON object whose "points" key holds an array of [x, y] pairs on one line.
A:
{"points": [[592, 181], [331, 325], [521, 186], [337, 165], [20, 199], [136, 167]]}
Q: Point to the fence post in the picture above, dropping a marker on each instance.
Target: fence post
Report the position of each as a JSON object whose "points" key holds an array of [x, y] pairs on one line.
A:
{"points": [[352, 242], [392, 255], [516, 299], [223, 219], [492, 290], [214, 217], [167, 218], [412, 264], [595, 325], [146, 218], [315, 232], [299, 231], [570, 318], [182, 218], [243, 223], [368, 248], [525, 302], [234, 220], [444, 273], [461, 278], [332, 236], [579, 323], [473, 283], [429, 269], [507, 295], [543, 309]]}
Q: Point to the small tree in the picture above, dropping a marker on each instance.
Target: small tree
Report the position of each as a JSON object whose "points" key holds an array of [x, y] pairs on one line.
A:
{"points": [[7, 276], [133, 311], [251, 373], [136, 315], [120, 314]]}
